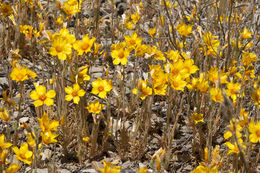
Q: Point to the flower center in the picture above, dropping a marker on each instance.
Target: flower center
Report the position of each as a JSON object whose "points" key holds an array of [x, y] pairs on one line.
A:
{"points": [[100, 88], [22, 156], [95, 109], [257, 133], [121, 55], [218, 97], [42, 97], [58, 49], [19, 76], [84, 46], [74, 93], [132, 42]]}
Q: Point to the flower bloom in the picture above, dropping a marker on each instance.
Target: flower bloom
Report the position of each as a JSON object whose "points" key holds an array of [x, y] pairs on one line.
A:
{"points": [[85, 45], [60, 47], [3, 144], [197, 118], [74, 93], [6, 9], [205, 169], [120, 56], [254, 130], [20, 74], [142, 89], [47, 127], [95, 107], [101, 87], [46, 124], [42, 97], [184, 29], [216, 95], [12, 168], [108, 169], [4, 114], [48, 137], [23, 154], [246, 34], [177, 83]]}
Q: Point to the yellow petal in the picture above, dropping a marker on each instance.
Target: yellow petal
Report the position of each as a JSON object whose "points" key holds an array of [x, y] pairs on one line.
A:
{"points": [[48, 102], [81, 92], [68, 97], [68, 90], [34, 95], [76, 100], [51, 94], [38, 103], [41, 90]]}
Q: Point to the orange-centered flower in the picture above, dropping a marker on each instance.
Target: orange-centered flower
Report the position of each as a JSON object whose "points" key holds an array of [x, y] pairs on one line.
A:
{"points": [[85, 45], [101, 87], [23, 154], [74, 93], [42, 97]]}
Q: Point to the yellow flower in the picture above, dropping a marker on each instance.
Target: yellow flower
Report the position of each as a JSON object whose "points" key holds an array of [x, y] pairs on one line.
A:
{"points": [[216, 95], [177, 83], [205, 169], [4, 114], [256, 96], [120, 54], [152, 31], [3, 156], [184, 29], [160, 85], [71, 7], [214, 76], [135, 17], [12, 168], [82, 74], [20, 74], [96, 49], [85, 45], [245, 34], [6, 9], [101, 87], [65, 34], [142, 170], [86, 139], [142, 89], [173, 55], [31, 139], [189, 66], [59, 20], [46, 124], [232, 129], [42, 97], [157, 54], [3, 144], [94, 107], [60, 47], [254, 130], [48, 137], [233, 90], [248, 58], [132, 42], [23, 154], [197, 118], [211, 43], [108, 169], [74, 93], [177, 69], [232, 148]]}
